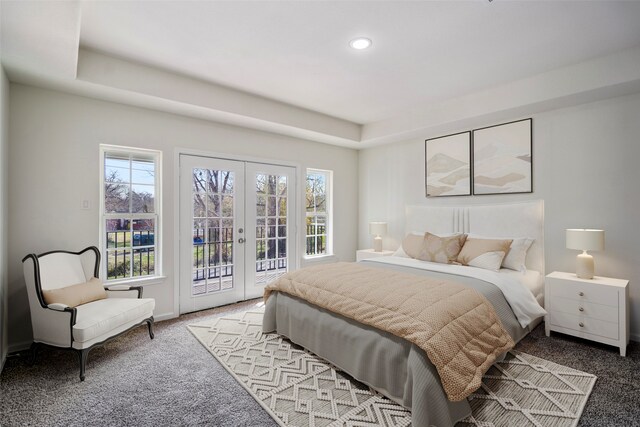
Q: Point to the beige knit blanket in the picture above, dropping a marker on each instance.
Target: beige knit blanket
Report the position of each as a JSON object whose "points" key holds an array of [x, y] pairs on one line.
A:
{"points": [[455, 325]]}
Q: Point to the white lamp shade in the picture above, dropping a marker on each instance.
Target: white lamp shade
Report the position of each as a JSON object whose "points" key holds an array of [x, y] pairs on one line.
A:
{"points": [[378, 228], [585, 239]]}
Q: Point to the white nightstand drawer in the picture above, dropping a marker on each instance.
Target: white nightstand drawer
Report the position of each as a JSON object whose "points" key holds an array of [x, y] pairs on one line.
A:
{"points": [[583, 308], [585, 292], [584, 324]]}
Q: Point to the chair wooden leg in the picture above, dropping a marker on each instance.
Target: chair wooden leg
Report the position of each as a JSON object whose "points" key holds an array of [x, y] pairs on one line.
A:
{"points": [[34, 351], [82, 355], [150, 323]]}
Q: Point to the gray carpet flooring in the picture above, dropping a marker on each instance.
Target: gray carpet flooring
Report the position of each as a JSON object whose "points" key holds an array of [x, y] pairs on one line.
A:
{"points": [[174, 381]]}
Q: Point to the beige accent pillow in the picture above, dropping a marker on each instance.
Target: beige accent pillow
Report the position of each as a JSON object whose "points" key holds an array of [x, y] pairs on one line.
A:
{"points": [[444, 250], [412, 244], [484, 253], [516, 257], [76, 295]]}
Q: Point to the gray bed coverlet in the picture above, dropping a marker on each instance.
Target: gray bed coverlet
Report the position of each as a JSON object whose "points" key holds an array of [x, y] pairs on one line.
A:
{"points": [[393, 366]]}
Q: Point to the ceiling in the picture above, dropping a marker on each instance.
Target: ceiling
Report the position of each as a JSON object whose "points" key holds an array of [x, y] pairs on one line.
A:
{"points": [[292, 60], [298, 52]]}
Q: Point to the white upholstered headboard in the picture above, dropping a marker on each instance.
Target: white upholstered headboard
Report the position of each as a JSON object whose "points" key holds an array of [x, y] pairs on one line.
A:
{"points": [[524, 219]]}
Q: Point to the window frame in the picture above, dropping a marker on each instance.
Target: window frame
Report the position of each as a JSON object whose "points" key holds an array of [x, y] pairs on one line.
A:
{"points": [[132, 152], [328, 215]]}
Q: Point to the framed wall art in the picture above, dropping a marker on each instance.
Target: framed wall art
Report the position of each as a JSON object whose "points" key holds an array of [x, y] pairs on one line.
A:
{"points": [[448, 165], [502, 158]]}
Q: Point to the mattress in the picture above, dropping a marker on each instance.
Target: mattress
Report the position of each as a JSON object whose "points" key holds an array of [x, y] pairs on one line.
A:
{"points": [[396, 368]]}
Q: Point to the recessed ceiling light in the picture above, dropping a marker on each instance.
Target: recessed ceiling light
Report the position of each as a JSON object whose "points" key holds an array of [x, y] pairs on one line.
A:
{"points": [[360, 43]]}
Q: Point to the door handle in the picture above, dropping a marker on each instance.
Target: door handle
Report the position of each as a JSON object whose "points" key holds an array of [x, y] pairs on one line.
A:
{"points": [[241, 240]]}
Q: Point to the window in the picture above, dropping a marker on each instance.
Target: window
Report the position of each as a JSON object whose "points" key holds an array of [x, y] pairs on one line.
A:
{"points": [[130, 213], [318, 210]]}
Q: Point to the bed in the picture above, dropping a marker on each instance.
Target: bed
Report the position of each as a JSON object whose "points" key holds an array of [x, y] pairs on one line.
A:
{"points": [[395, 367]]}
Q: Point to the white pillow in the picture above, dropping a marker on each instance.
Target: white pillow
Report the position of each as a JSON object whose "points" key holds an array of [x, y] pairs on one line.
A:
{"points": [[517, 255], [515, 259]]}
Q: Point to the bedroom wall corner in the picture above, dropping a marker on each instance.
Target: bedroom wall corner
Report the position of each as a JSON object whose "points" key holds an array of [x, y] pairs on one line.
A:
{"points": [[4, 203], [585, 168]]}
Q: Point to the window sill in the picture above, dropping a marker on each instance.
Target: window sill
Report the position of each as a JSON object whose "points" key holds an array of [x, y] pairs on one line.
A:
{"points": [[144, 281]]}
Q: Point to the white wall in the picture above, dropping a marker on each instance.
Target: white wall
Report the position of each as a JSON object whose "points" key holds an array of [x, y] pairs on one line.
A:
{"points": [[53, 166], [586, 168], [4, 203]]}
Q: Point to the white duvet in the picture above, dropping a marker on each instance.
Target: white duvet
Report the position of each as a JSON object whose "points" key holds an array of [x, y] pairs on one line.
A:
{"points": [[519, 297]]}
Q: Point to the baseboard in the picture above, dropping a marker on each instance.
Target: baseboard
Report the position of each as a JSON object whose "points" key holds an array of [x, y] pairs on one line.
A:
{"points": [[19, 346], [634, 337], [164, 316]]}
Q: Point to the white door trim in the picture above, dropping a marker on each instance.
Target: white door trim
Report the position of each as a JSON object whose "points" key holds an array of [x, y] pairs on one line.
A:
{"points": [[300, 178]]}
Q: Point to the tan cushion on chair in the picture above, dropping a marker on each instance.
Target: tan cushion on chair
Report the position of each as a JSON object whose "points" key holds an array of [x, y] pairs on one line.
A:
{"points": [[76, 295], [98, 319]]}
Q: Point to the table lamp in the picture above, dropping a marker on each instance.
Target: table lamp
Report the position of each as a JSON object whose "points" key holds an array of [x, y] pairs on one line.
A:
{"points": [[377, 229], [585, 240]]}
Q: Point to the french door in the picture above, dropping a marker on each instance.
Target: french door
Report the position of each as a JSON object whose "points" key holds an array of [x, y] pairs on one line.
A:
{"points": [[237, 229]]}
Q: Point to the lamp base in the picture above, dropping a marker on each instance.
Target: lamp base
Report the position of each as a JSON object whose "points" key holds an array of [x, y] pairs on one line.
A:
{"points": [[377, 244], [584, 266]]}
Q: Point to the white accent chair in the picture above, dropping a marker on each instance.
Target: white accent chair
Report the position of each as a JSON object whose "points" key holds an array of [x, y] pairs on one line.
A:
{"points": [[86, 326]]}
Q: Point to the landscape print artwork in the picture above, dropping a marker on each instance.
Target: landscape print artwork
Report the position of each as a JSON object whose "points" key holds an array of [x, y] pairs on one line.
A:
{"points": [[502, 158], [448, 165]]}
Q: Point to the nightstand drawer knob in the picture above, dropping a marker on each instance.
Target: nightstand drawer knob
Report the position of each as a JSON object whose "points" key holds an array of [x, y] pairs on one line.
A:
{"points": [[581, 308], [581, 294], [581, 324]]}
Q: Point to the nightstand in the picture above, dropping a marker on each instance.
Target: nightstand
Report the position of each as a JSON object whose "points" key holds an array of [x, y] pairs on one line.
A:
{"points": [[370, 253], [595, 309]]}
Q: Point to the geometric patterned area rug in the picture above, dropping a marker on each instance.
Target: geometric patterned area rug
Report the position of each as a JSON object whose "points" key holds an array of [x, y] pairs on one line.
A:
{"points": [[298, 388], [524, 390]]}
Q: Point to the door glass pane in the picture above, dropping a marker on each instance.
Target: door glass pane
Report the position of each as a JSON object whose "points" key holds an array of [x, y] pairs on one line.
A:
{"points": [[213, 210], [227, 182], [212, 181], [199, 205], [282, 186], [199, 180], [272, 182], [261, 206], [271, 227], [213, 231], [261, 184], [213, 206], [199, 285], [198, 256], [214, 254]]}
